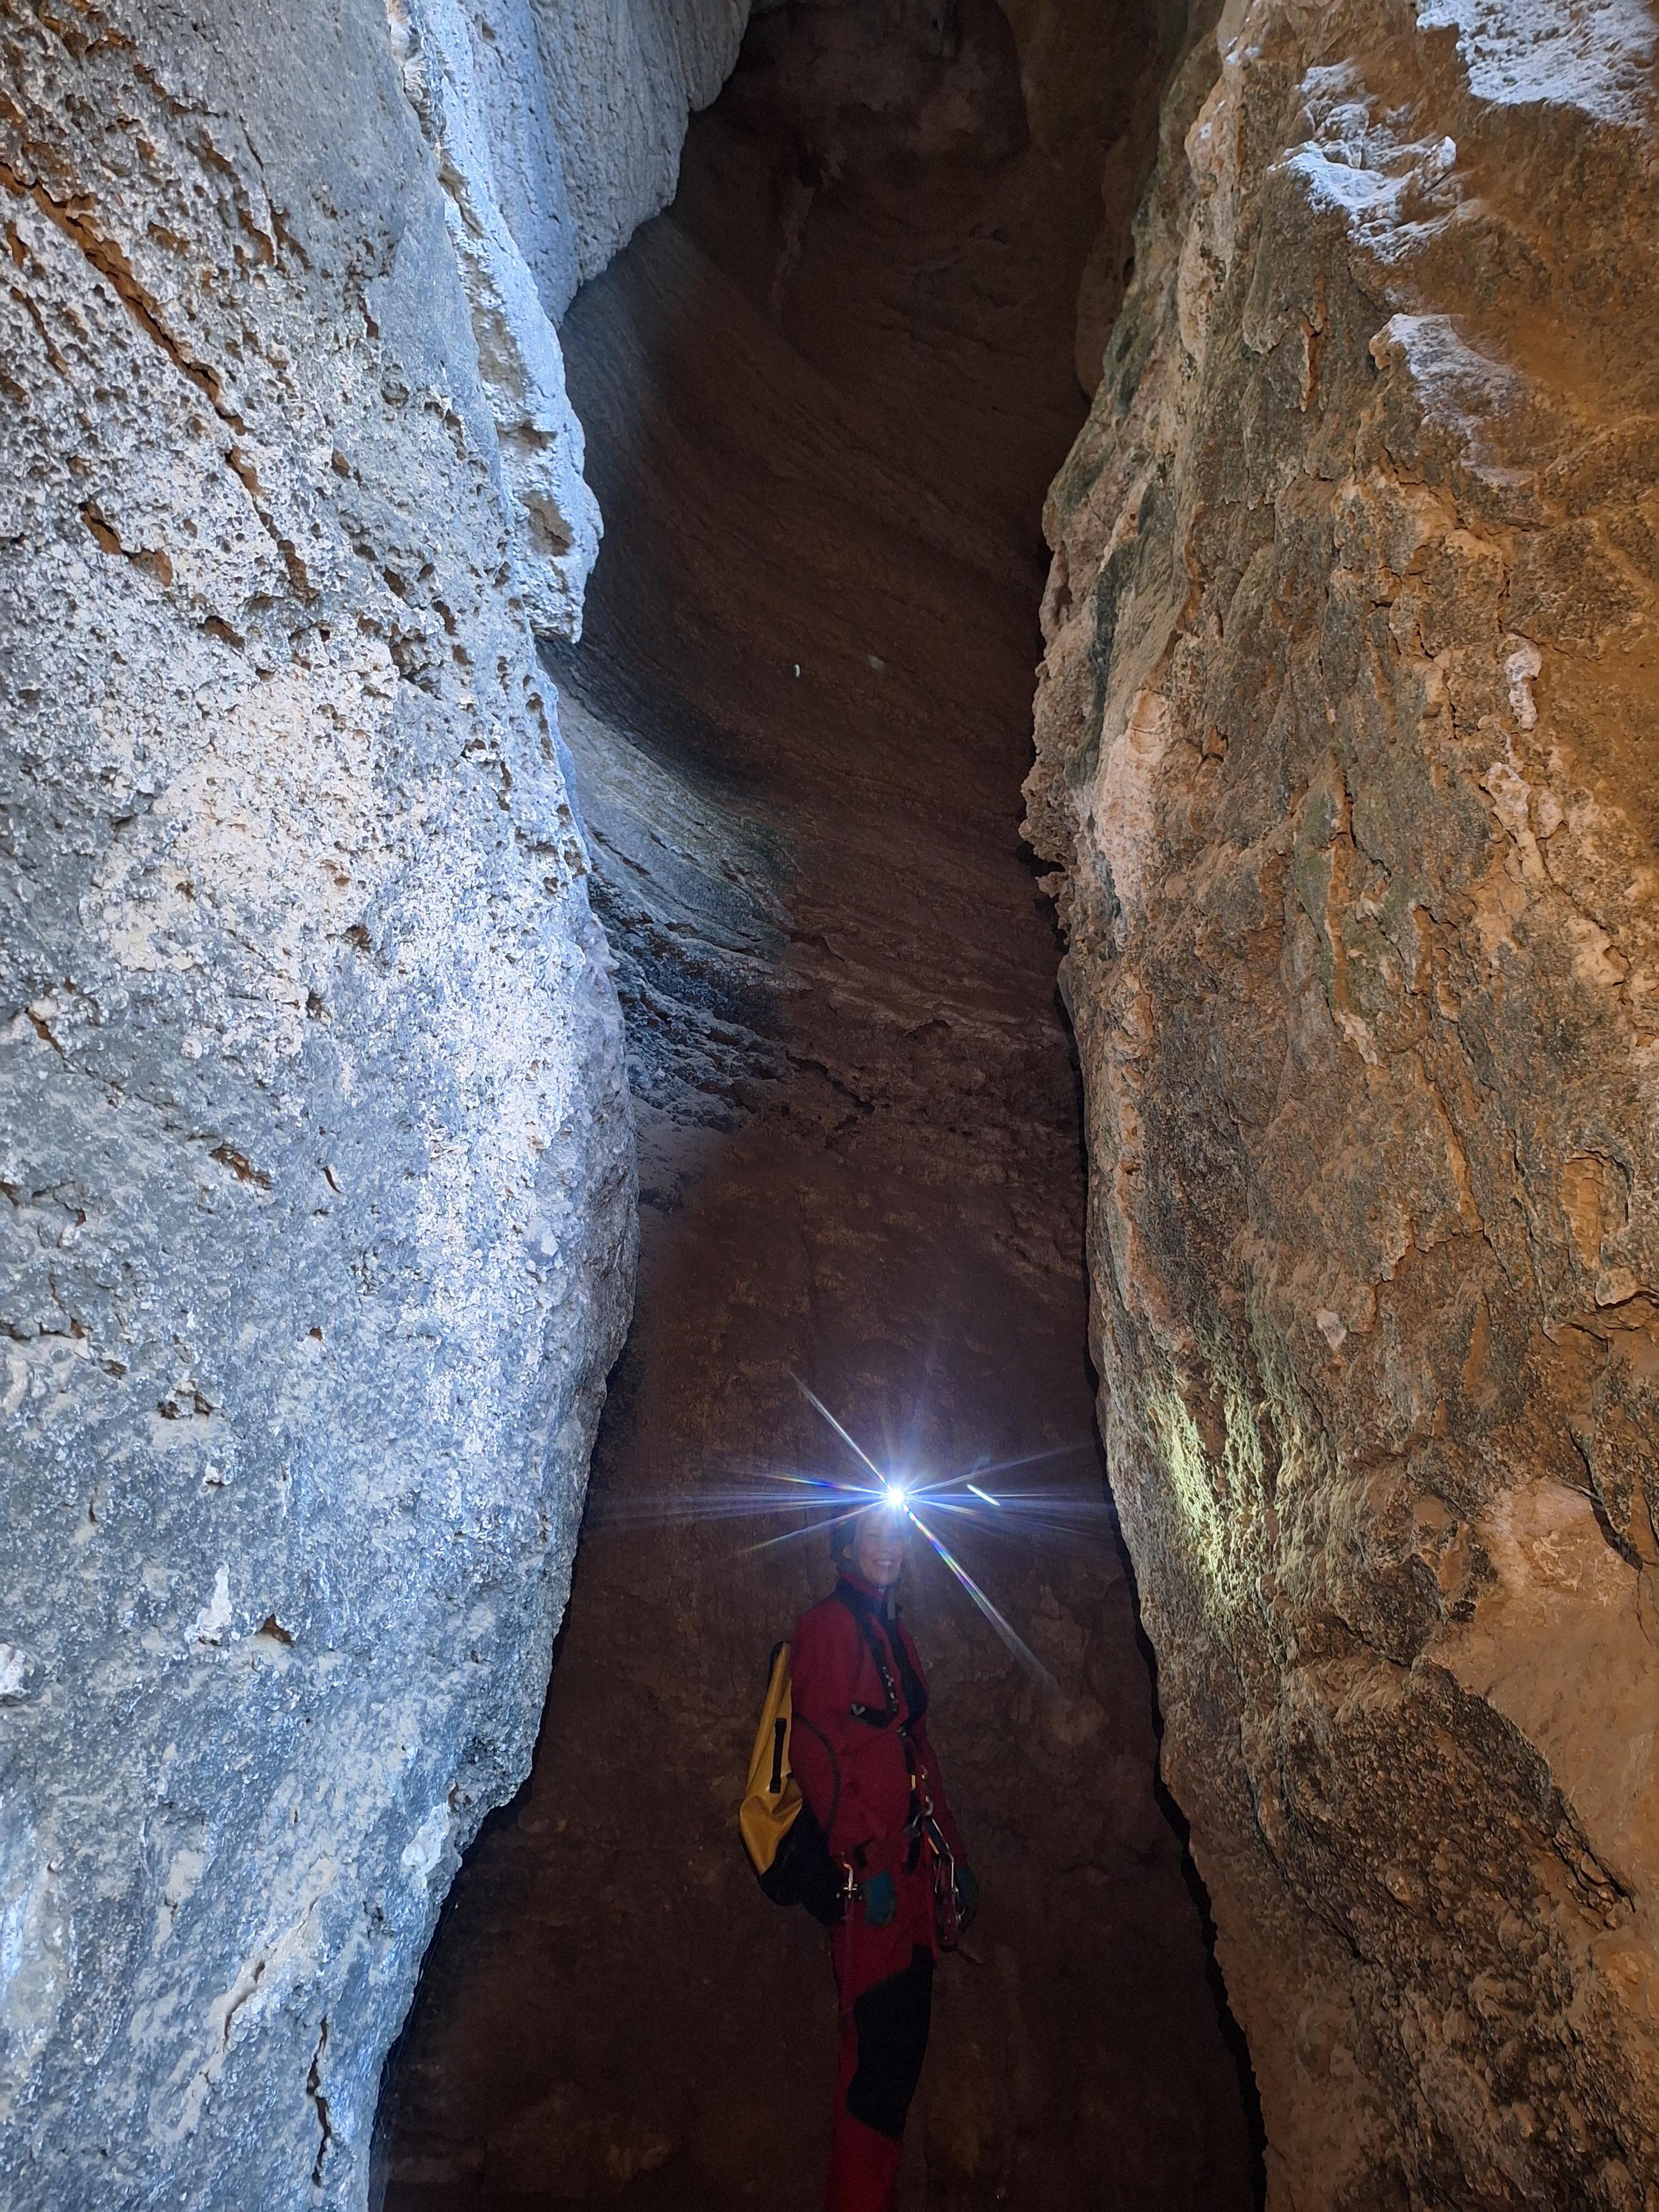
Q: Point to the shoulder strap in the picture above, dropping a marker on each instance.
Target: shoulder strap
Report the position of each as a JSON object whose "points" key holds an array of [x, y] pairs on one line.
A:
{"points": [[915, 1690], [862, 1615]]}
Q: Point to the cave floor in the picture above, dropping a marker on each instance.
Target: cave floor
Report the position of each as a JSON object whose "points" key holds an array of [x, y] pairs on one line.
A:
{"points": [[823, 396]]}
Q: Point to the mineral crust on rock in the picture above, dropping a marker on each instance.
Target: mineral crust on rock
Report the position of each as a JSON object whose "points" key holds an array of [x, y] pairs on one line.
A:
{"points": [[1345, 733], [317, 1176]]}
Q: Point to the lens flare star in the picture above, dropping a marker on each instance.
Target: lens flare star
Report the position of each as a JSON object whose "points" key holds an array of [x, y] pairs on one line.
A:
{"points": [[938, 1508], [1009, 1515]]}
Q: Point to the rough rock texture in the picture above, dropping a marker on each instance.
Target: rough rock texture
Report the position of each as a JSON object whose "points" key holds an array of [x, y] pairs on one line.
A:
{"points": [[686, 882], [823, 397], [621, 76], [557, 126], [314, 1149], [1345, 732], [456, 70]]}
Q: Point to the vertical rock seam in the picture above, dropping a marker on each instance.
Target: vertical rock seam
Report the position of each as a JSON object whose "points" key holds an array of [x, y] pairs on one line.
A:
{"points": [[1345, 733], [318, 1230], [557, 130], [554, 516]]}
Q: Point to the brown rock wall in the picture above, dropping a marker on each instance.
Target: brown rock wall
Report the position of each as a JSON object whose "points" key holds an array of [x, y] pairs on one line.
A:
{"points": [[1343, 735]]}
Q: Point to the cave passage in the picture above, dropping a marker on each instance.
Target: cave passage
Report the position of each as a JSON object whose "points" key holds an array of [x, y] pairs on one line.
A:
{"points": [[823, 396]]}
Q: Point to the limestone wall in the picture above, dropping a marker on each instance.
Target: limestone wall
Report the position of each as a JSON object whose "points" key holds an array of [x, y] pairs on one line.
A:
{"points": [[1345, 733], [621, 80], [557, 132], [318, 1221]]}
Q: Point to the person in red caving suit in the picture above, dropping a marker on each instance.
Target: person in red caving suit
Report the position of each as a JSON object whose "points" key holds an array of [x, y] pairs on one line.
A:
{"points": [[859, 1751]]}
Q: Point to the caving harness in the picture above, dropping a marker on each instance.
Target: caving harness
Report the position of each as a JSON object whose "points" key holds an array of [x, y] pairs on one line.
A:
{"points": [[787, 1848]]}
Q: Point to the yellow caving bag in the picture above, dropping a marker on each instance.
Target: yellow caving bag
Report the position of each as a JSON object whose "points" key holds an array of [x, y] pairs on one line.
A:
{"points": [[786, 1847]]}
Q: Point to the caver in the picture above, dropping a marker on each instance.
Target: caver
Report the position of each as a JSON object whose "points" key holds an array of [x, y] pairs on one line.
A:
{"points": [[860, 1750]]}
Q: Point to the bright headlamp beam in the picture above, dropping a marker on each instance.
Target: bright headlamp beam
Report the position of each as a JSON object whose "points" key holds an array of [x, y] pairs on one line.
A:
{"points": [[795, 1535], [1005, 1629], [896, 1497], [812, 1399]]}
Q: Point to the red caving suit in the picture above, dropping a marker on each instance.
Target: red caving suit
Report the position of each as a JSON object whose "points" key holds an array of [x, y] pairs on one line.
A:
{"points": [[853, 1748]]}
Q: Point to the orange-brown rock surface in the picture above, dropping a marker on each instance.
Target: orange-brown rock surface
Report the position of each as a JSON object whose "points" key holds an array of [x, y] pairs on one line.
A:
{"points": [[1346, 732]]}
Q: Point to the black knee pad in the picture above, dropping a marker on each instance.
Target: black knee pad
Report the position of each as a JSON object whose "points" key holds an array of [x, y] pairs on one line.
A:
{"points": [[892, 2020]]}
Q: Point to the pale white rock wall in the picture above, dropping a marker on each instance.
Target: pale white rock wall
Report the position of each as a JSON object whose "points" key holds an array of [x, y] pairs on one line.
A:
{"points": [[522, 129], [1345, 729], [622, 76], [558, 130], [317, 1182], [456, 78]]}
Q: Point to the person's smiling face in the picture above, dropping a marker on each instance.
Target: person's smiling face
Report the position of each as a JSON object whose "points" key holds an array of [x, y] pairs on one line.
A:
{"points": [[879, 1552]]}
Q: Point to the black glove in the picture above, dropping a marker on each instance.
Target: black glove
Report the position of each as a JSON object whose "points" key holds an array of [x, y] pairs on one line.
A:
{"points": [[967, 1898], [880, 1900]]}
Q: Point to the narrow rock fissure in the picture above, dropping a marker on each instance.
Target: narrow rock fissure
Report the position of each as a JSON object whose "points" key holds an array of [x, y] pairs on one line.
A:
{"points": [[328, 873], [823, 398]]}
